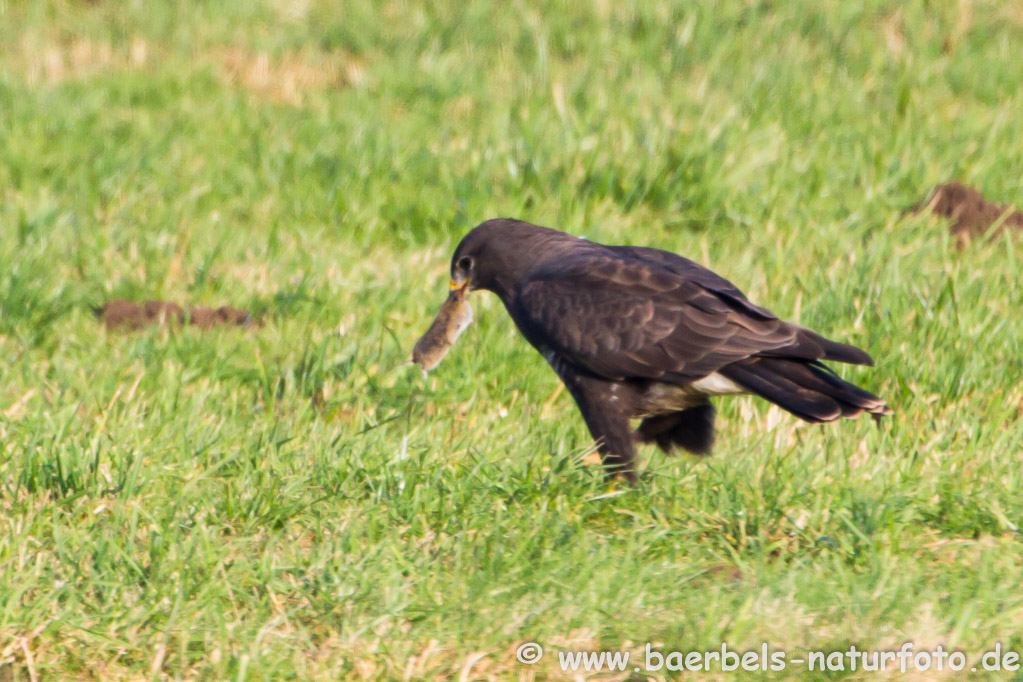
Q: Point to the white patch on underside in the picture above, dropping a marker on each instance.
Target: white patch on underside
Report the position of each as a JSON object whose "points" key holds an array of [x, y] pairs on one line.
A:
{"points": [[716, 384], [661, 398]]}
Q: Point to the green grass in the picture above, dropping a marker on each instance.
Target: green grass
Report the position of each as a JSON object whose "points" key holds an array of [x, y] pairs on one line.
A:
{"points": [[290, 502]]}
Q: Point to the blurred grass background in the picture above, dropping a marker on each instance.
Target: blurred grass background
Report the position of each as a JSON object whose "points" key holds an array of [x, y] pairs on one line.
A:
{"points": [[290, 502]]}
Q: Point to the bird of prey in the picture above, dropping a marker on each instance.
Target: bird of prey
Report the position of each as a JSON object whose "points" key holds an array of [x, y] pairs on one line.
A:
{"points": [[641, 333]]}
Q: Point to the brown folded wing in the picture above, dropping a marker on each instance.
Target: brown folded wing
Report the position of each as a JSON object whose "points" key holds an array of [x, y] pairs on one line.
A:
{"points": [[631, 315]]}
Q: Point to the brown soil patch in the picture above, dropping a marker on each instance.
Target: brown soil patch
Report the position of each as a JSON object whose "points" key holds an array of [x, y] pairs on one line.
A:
{"points": [[972, 215], [50, 61], [120, 314], [286, 79]]}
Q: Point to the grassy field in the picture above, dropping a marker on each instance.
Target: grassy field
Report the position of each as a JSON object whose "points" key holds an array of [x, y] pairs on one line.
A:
{"points": [[291, 502]]}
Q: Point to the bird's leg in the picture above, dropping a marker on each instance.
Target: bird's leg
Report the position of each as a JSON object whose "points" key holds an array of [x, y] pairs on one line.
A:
{"points": [[606, 414], [617, 464]]}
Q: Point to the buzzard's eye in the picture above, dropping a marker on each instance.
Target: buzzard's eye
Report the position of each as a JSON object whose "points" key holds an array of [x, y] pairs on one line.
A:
{"points": [[465, 264]]}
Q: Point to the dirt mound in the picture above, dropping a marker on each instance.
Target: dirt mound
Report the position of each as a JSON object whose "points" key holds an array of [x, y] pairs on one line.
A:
{"points": [[120, 314], [971, 214]]}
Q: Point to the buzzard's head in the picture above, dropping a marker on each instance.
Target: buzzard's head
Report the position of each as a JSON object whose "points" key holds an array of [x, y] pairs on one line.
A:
{"points": [[498, 253]]}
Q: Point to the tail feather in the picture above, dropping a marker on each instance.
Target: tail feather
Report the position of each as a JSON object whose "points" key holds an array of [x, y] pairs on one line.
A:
{"points": [[844, 352], [808, 390], [691, 429], [808, 344]]}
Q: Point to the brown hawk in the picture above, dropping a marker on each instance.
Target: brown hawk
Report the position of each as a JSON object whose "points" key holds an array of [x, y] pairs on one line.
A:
{"points": [[637, 332]]}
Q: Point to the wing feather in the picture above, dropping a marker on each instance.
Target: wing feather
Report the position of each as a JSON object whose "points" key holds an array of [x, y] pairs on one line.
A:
{"points": [[631, 316]]}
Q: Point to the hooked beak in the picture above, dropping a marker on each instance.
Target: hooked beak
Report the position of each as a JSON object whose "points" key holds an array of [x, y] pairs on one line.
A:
{"points": [[459, 287]]}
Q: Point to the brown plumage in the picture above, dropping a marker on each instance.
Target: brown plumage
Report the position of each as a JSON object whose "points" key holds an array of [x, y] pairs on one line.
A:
{"points": [[636, 332]]}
